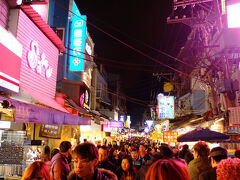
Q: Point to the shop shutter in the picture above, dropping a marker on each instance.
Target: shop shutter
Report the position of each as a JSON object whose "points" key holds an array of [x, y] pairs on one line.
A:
{"points": [[29, 79], [3, 13]]}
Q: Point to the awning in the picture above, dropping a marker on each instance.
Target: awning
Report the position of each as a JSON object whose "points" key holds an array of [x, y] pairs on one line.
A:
{"points": [[42, 99], [80, 109], [43, 26], [28, 113], [201, 134]]}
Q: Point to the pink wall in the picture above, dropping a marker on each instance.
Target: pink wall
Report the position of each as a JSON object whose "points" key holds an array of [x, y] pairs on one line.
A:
{"points": [[29, 78]]}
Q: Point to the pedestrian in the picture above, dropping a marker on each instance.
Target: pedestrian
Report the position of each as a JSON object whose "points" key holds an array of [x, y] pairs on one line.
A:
{"points": [[36, 170], [184, 150], [167, 169], [126, 170], [237, 153], [228, 169], [143, 170], [112, 155], [46, 156], [54, 152], [217, 154], [104, 161], [60, 162], [166, 151], [142, 152], [85, 160], [200, 162], [188, 158], [137, 161]]}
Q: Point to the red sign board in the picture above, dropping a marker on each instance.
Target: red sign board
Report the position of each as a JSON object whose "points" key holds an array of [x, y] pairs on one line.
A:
{"points": [[11, 54], [170, 136], [39, 60]]}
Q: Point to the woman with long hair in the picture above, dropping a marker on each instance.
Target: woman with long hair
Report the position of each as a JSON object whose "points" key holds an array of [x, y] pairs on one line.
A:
{"points": [[126, 170], [167, 169], [36, 170], [112, 155]]}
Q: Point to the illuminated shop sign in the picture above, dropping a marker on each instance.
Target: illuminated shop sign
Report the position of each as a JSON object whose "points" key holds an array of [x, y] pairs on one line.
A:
{"points": [[165, 106], [78, 33], [170, 136], [115, 124], [84, 99], [38, 62], [11, 54]]}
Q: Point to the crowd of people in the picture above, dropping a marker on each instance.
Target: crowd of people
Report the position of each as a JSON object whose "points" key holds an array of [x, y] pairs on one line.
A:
{"points": [[130, 161]]}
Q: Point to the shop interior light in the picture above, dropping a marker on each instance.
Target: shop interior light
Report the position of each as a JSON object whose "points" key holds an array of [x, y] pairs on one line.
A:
{"points": [[233, 14], [85, 128], [221, 119], [5, 124]]}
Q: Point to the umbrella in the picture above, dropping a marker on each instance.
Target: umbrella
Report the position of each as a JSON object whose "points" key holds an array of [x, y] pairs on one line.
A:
{"points": [[201, 134]]}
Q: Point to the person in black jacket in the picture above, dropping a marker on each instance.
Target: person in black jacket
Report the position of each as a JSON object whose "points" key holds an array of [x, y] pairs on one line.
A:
{"points": [[85, 160], [217, 154], [104, 161]]}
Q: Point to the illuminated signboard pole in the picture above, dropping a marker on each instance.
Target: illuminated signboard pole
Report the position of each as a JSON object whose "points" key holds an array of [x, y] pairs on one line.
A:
{"points": [[77, 38]]}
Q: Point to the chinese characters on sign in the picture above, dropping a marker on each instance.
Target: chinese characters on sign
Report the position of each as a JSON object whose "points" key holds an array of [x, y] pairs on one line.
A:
{"points": [[170, 136], [165, 106], [38, 62], [78, 33]]}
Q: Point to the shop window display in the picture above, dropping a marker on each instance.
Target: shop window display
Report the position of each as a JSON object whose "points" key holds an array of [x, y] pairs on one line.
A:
{"points": [[16, 153]]}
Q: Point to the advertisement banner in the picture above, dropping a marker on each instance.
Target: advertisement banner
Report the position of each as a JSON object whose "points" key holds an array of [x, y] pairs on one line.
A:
{"points": [[115, 124], [170, 136], [157, 136], [50, 131], [78, 35], [165, 107]]}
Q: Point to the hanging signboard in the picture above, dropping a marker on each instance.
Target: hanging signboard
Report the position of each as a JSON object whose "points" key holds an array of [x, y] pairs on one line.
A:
{"points": [[170, 136], [50, 131], [115, 124], [165, 106], [77, 45]]}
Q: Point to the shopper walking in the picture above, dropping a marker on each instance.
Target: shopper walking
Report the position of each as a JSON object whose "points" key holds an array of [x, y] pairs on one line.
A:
{"points": [[36, 170], [60, 164], [126, 171], [104, 161], [200, 162], [217, 154], [85, 160], [167, 169]]}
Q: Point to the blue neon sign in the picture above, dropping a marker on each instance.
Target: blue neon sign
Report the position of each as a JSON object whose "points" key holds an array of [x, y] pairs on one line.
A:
{"points": [[78, 35]]}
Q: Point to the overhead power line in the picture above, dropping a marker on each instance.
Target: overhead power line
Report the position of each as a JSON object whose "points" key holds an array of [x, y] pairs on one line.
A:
{"points": [[130, 99], [122, 42]]}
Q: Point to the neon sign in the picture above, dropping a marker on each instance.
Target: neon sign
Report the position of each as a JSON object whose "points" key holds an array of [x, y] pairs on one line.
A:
{"points": [[78, 33], [39, 64]]}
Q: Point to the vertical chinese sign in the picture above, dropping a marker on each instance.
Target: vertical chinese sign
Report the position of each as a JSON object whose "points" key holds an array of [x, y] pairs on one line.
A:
{"points": [[77, 45]]}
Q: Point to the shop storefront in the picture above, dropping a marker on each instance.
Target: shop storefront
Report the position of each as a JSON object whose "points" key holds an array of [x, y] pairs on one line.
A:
{"points": [[34, 118], [92, 133]]}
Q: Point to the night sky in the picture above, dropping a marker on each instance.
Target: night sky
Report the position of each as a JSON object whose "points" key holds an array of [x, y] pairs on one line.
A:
{"points": [[136, 23]]}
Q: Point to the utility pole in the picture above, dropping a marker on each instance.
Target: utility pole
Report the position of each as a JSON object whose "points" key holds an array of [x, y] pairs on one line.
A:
{"points": [[200, 15]]}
